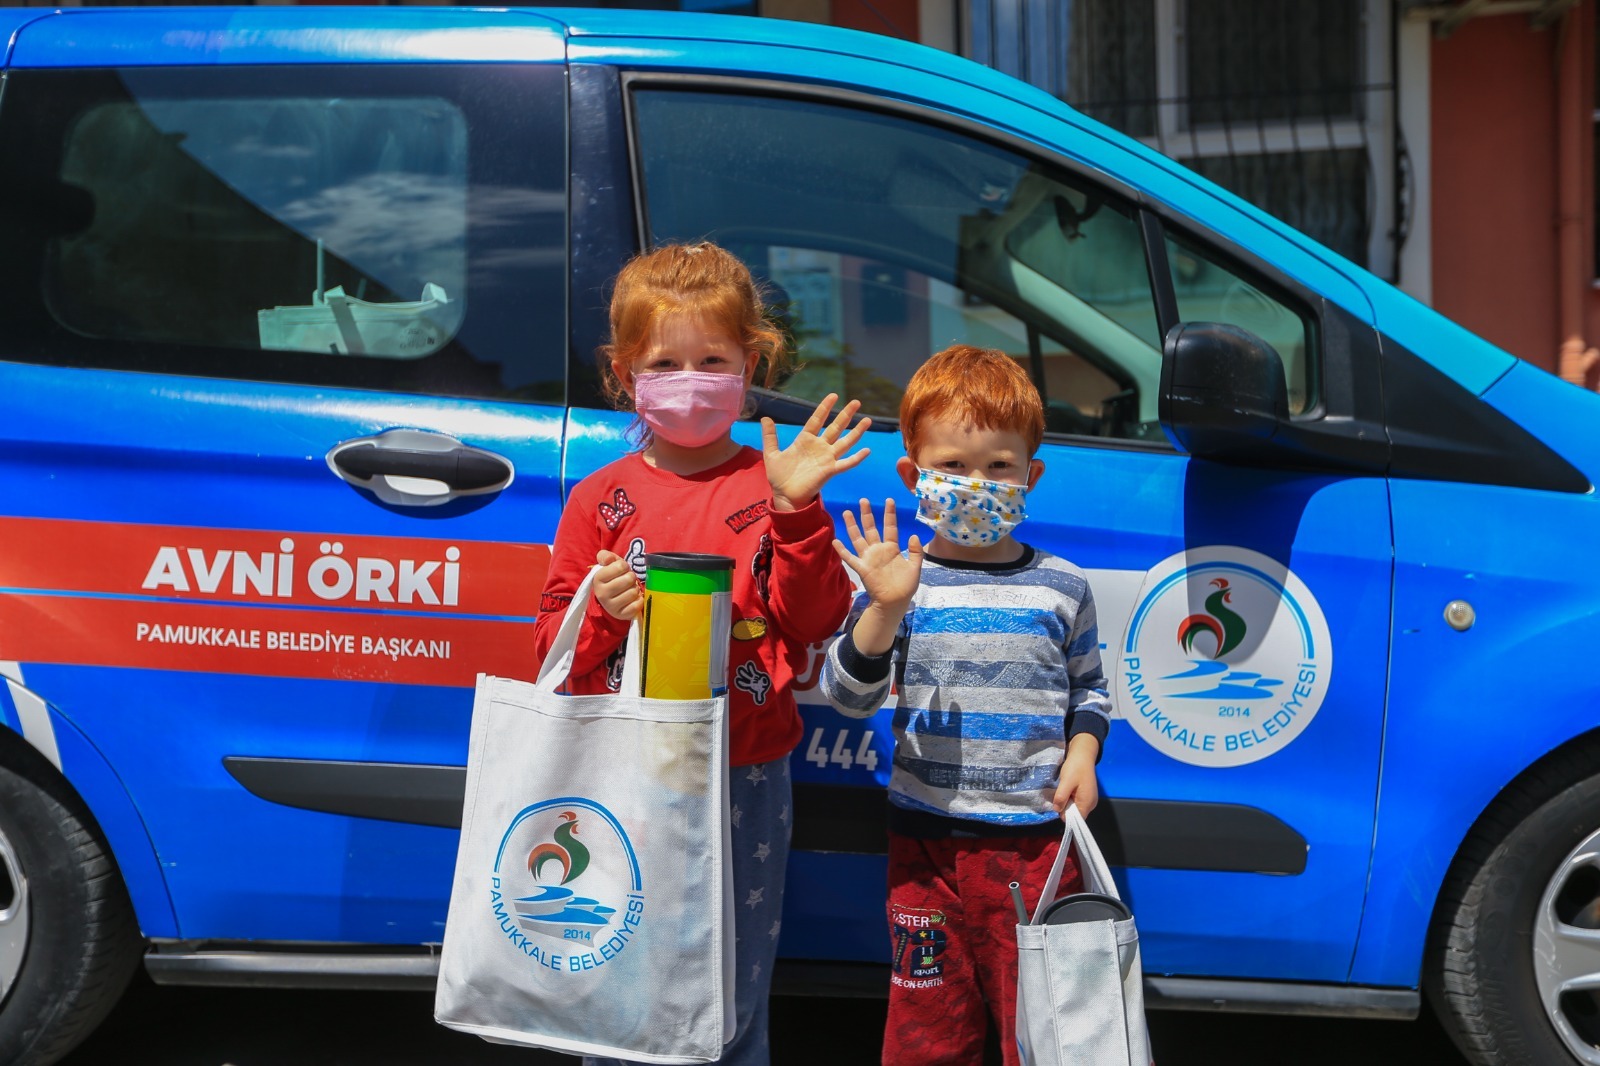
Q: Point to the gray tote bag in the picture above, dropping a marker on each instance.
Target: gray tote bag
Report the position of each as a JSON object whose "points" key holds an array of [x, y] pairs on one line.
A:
{"points": [[591, 910], [1080, 987]]}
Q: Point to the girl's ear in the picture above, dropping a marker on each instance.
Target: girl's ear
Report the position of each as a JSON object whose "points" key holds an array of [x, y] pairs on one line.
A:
{"points": [[751, 359], [1035, 472], [624, 374], [907, 471]]}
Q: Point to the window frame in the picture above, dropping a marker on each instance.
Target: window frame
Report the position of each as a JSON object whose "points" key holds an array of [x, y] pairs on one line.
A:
{"points": [[1154, 218]]}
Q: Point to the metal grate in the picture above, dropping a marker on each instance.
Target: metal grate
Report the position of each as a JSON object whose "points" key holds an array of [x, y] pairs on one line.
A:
{"points": [[1276, 102]]}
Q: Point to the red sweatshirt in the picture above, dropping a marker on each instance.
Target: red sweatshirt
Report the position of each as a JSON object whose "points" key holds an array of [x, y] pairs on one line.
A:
{"points": [[789, 588]]}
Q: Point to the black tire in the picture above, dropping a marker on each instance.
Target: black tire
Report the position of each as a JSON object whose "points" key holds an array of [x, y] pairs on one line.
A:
{"points": [[82, 943], [1481, 975]]}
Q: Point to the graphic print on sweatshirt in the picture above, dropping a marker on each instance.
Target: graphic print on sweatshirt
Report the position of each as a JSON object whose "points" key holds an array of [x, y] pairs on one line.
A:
{"points": [[619, 508], [761, 565]]}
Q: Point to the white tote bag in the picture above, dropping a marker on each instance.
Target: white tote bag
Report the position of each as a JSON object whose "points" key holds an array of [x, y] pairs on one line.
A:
{"points": [[591, 910], [1080, 987]]}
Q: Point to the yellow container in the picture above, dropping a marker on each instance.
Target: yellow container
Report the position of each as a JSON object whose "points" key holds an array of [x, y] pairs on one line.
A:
{"points": [[688, 607]]}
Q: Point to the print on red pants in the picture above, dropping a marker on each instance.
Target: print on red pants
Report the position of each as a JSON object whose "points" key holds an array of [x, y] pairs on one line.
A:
{"points": [[920, 937]]}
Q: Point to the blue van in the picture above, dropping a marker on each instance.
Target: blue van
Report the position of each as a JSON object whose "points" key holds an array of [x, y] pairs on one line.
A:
{"points": [[296, 367]]}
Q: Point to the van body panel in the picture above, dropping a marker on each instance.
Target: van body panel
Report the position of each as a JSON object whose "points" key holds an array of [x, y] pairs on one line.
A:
{"points": [[207, 36], [1468, 359], [128, 494], [1119, 514], [1560, 414], [103, 792], [1510, 678], [253, 869]]}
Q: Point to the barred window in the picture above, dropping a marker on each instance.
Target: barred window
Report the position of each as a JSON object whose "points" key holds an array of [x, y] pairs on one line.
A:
{"points": [[1289, 106]]}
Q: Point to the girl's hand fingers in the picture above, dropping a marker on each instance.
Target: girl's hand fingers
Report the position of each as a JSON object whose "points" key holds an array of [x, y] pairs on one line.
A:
{"points": [[851, 439], [842, 421], [849, 461], [769, 437], [606, 558], [891, 528], [914, 549], [820, 415]]}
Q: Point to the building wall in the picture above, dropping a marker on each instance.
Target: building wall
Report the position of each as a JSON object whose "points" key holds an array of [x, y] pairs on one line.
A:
{"points": [[1494, 182], [894, 18]]}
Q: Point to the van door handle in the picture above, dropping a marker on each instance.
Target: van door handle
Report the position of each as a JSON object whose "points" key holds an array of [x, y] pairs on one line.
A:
{"points": [[463, 469], [418, 468]]}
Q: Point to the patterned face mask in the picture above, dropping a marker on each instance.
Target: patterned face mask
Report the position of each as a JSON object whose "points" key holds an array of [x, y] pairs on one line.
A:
{"points": [[968, 510]]}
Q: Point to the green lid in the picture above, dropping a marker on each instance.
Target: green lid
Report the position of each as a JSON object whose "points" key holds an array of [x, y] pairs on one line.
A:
{"points": [[688, 572]]}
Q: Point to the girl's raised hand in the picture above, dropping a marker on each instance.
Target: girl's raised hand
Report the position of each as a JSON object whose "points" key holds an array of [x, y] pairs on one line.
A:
{"points": [[889, 578], [798, 472]]}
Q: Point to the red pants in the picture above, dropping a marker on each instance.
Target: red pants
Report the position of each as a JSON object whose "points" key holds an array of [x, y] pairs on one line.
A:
{"points": [[953, 938]]}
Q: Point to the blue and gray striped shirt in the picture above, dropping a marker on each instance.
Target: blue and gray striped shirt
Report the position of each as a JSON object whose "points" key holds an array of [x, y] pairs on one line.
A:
{"points": [[997, 666]]}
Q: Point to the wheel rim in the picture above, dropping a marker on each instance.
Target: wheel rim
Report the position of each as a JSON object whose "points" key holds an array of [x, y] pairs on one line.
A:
{"points": [[1566, 950], [13, 917]]}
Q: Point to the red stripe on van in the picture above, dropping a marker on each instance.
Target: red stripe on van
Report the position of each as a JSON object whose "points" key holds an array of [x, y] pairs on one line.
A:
{"points": [[215, 638], [368, 573]]}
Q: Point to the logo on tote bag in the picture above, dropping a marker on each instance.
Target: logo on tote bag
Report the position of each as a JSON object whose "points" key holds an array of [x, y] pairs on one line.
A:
{"points": [[565, 889]]}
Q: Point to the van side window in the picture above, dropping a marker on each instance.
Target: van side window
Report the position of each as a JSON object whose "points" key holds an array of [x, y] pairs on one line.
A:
{"points": [[385, 228], [1211, 289], [887, 239]]}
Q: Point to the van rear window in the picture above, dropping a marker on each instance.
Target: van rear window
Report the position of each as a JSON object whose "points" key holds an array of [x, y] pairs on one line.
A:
{"points": [[384, 228]]}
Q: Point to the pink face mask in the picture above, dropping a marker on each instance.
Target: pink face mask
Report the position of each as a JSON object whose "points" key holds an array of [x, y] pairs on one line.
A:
{"points": [[689, 408]]}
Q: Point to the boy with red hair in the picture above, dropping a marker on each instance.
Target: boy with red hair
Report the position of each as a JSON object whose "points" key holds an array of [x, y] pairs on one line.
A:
{"points": [[1003, 705]]}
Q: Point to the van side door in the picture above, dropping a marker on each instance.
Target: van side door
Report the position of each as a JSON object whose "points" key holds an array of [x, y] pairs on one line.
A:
{"points": [[1243, 611]]}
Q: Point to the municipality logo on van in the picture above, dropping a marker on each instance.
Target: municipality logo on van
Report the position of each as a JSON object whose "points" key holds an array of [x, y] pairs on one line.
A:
{"points": [[565, 889], [1226, 658]]}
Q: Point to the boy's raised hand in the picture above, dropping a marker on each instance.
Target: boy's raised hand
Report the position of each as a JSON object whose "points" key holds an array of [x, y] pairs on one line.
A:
{"points": [[889, 578], [798, 472]]}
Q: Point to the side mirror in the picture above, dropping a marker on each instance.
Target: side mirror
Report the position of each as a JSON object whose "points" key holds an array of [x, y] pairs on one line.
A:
{"points": [[1223, 392]]}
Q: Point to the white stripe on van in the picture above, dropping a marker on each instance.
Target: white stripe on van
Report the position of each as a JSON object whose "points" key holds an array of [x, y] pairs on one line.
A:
{"points": [[34, 715]]}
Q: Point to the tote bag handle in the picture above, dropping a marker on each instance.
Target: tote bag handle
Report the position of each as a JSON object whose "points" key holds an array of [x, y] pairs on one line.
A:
{"points": [[1096, 874], [558, 662]]}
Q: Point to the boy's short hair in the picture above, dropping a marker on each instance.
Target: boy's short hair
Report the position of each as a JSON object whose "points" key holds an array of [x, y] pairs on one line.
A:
{"points": [[980, 386]]}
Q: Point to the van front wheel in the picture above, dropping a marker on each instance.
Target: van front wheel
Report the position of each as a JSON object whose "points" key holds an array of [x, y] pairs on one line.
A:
{"points": [[1514, 956], [68, 942]]}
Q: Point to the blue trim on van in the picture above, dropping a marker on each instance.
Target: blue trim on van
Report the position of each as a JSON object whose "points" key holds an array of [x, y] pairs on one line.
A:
{"points": [[211, 36], [11, 23]]}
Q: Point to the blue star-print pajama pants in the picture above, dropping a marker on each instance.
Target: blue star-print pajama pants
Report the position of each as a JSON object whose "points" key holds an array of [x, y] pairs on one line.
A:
{"points": [[759, 807]]}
